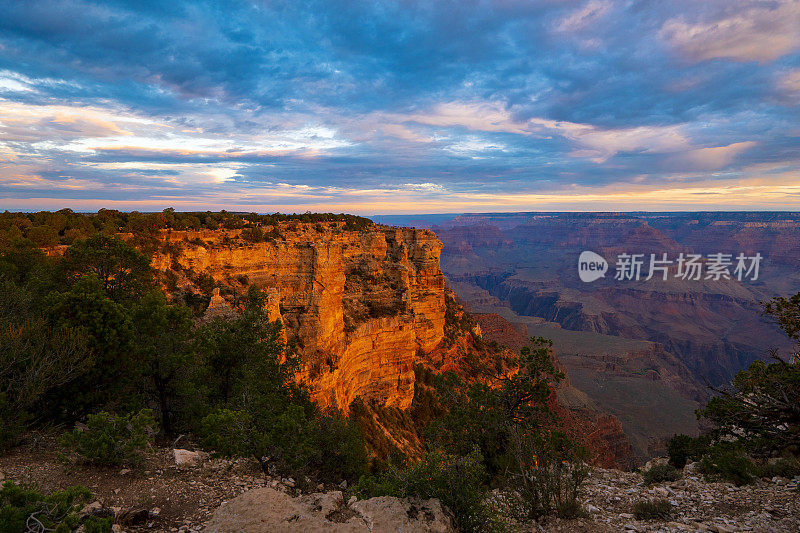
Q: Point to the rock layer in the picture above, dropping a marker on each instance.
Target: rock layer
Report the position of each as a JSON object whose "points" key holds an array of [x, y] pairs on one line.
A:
{"points": [[356, 305]]}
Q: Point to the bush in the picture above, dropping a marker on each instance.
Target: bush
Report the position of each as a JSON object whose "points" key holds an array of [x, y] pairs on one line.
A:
{"points": [[727, 462], [658, 509], [339, 450], [24, 509], [787, 467], [682, 448], [109, 439], [660, 473], [12, 423], [252, 234], [547, 474], [330, 448], [457, 481]]}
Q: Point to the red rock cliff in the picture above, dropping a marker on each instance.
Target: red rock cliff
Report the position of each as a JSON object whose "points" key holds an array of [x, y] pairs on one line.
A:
{"points": [[357, 305]]}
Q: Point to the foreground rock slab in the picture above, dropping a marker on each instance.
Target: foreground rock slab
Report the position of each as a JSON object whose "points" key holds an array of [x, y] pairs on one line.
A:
{"points": [[266, 509]]}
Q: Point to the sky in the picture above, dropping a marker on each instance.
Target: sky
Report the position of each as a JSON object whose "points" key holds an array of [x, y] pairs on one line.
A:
{"points": [[400, 107]]}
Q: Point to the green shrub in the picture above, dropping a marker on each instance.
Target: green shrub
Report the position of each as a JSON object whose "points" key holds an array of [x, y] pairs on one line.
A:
{"points": [[728, 462], [339, 450], [20, 507], [787, 467], [12, 424], [285, 441], [570, 510], [290, 442], [457, 481], [252, 234], [109, 439], [547, 474], [682, 448], [658, 509], [660, 473]]}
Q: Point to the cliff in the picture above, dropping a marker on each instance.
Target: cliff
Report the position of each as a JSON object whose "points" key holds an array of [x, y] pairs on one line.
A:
{"points": [[357, 306], [360, 308]]}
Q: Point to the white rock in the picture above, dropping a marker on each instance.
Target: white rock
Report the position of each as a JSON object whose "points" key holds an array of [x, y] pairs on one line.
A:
{"points": [[188, 458], [656, 461], [90, 508], [265, 509]]}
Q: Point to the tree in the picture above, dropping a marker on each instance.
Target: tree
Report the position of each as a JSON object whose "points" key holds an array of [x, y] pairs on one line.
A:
{"points": [[484, 412], [35, 358], [124, 272], [237, 350], [786, 311], [44, 235], [162, 349], [761, 409], [106, 324], [257, 408]]}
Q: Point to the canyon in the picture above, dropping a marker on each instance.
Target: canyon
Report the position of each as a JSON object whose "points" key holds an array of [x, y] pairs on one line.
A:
{"points": [[361, 309], [644, 350]]}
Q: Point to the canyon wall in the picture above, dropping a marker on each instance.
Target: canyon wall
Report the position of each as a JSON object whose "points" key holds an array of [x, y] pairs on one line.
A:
{"points": [[360, 308], [357, 306]]}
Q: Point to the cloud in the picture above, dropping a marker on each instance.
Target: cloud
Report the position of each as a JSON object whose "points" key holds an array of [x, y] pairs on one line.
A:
{"points": [[589, 14], [790, 82], [716, 157], [759, 31], [385, 104]]}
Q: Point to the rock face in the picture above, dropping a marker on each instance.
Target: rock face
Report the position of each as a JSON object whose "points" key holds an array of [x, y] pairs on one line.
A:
{"points": [[357, 305], [267, 509]]}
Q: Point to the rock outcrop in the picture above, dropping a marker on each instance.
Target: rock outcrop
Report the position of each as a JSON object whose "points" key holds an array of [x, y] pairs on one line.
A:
{"points": [[357, 306], [267, 509]]}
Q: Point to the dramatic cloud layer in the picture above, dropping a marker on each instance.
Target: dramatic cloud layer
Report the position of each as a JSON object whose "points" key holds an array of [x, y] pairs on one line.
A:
{"points": [[381, 107]]}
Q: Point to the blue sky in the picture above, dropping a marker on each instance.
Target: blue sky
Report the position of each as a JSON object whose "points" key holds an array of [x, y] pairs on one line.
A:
{"points": [[400, 107]]}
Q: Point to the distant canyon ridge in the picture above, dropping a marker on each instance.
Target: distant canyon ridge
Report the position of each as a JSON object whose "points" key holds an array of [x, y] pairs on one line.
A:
{"points": [[644, 350]]}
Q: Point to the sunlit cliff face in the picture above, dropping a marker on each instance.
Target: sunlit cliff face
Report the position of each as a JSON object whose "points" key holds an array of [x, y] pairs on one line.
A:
{"points": [[392, 107], [358, 307]]}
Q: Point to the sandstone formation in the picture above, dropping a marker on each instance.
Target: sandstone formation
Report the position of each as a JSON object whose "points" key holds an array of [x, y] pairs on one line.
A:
{"points": [[357, 306]]}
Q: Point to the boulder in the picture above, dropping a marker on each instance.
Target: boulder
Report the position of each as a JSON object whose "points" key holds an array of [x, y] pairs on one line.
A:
{"points": [[656, 461], [188, 458], [266, 509]]}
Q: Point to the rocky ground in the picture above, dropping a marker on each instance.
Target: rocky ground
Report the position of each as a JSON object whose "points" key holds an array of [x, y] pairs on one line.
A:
{"points": [[699, 505], [198, 493]]}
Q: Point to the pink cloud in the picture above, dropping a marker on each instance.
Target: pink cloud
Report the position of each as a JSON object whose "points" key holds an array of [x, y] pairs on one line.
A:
{"points": [[761, 32]]}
